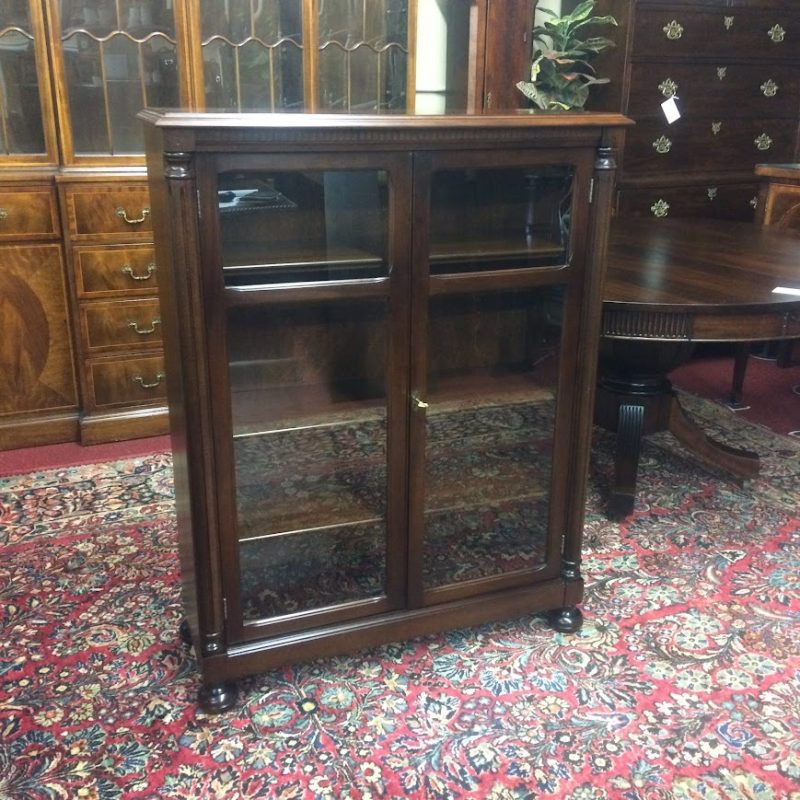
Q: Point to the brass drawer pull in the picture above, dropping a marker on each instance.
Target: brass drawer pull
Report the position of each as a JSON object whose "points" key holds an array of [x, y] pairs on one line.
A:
{"points": [[673, 30], [660, 208], [728, 21], [722, 72], [776, 33], [769, 88], [3, 213], [712, 192], [144, 331], [716, 127], [128, 270], [123, 215], [763, 142], [668, 87], [662, 145], [141, 381]]}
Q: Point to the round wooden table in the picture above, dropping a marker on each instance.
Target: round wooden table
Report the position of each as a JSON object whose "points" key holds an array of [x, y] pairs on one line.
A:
{"points": [[671, 284]]}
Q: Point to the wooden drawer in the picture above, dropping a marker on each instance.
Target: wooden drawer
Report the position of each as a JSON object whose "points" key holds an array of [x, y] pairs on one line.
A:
{"points": [[731, 201], [687, 32], [703, 145], [717, 90], [115, 271], [121, 324], [108, 212], [29, 214], [130, 381]]}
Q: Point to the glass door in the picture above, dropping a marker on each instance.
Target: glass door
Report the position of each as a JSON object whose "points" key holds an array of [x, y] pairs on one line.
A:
{"points": [[310, 277], [116, 58], [492, 354], [27, 134]]}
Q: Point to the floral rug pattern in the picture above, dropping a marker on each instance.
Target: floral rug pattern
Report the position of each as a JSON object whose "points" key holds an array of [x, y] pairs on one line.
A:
{"points": [[684, 681]]}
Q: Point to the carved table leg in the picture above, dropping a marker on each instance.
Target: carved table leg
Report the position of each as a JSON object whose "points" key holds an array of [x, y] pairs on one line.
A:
{"points": [[630, 427]]}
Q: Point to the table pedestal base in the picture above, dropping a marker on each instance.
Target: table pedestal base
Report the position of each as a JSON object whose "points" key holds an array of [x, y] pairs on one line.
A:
{"points": [[634, 403]]}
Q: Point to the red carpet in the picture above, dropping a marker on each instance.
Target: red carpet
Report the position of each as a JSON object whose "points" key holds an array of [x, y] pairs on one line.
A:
{"points": [[768, 392], [684, 682]]}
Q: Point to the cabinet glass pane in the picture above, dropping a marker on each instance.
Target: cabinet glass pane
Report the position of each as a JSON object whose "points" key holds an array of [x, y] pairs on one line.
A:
{"points": [[119, 57], [293, 227], [309, 418], [252, 55], [500, 218], [492, 376], [363, 55], [21, 130]]}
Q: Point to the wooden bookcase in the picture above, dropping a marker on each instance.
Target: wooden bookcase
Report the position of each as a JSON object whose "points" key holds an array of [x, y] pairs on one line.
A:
{"points": [[381, 337]]}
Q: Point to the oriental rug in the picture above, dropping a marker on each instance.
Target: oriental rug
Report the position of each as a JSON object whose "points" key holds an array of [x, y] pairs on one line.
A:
{"points": [[684, 681]]}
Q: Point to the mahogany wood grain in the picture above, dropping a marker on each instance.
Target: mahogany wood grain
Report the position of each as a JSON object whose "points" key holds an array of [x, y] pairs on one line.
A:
{"points": [[91, 212], [121, 325], [29, 214], [126, 381], [124, 270]]}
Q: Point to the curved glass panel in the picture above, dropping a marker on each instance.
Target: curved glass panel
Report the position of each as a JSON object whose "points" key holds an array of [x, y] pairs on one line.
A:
{"points": [[299, 227], [503, 218]]}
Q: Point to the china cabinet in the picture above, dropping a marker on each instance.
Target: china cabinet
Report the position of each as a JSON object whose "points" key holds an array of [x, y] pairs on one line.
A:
{"points": [[380, 345], [733, 70], [74, 74]]}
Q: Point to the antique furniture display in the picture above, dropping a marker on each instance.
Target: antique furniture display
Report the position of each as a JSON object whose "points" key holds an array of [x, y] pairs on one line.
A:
{"points": [[670, 285], [74, 74], [380, 339], [733, 69]]}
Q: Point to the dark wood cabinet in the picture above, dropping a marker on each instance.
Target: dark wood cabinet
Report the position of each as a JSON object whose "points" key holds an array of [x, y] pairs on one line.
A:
{"points": [[733, 67], [380, 351]]}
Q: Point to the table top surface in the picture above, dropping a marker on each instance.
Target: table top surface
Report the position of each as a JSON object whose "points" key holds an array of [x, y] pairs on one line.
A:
{"points": [[700, 266]]}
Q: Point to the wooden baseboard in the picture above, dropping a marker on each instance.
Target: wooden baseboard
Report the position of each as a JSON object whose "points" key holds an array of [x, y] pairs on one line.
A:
{"points": [[118, 426]]}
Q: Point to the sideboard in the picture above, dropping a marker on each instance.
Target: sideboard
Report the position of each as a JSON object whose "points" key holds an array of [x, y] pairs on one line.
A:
{"points": [[380, 340]]}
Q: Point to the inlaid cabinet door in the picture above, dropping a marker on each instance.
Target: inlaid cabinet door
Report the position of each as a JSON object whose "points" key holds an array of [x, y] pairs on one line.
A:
{"points": [[35, 353]]}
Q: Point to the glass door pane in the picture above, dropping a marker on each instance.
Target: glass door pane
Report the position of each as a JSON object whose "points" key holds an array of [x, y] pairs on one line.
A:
{"points": [[499, 249], [252, 55], [310, 451], [363, 50], [303, 226], [21, 111], [119, 56], [491, 393], [305, 276]]}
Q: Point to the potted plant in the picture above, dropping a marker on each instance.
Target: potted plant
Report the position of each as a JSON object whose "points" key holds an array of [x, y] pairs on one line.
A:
{"points": [[560, 71]]}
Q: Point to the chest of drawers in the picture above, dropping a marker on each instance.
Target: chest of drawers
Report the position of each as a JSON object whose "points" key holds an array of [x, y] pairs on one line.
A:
{"points": [[733, 69], [108, 236]]}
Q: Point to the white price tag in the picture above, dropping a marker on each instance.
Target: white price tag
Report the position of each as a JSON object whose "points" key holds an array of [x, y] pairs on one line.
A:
{"points": [[670, 109]]}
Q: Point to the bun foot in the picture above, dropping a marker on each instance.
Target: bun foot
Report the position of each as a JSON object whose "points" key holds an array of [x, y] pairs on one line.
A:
{"points": [[565, 620], [218, 697]]}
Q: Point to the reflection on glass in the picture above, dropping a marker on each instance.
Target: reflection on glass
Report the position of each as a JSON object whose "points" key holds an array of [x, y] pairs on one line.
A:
{"points": [[309, 420], [500, 218], [119, 57], [493, 368], [290, 227], [21, 129], [363, 55], [252, 55]]}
